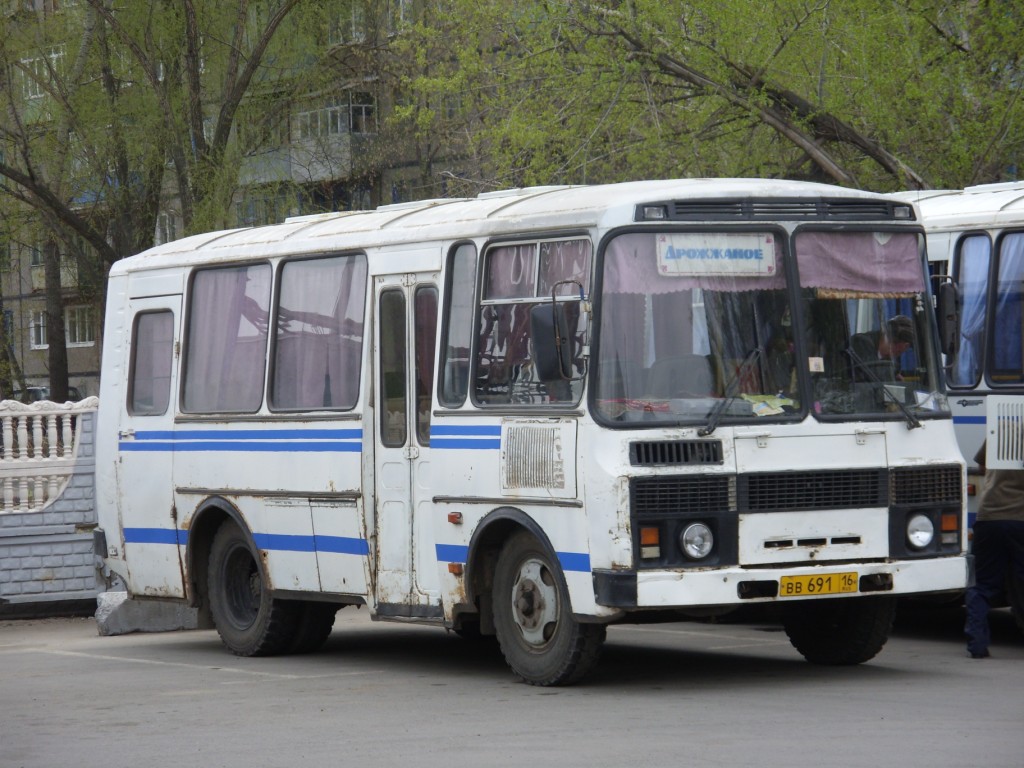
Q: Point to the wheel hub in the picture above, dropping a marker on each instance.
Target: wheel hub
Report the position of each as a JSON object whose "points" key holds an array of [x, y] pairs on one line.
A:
{"points": [[535, 603]]}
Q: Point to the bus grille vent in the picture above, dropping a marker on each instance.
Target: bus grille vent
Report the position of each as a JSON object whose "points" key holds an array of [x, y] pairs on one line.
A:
{"points": [[533, 458], [660, 453], [787, 491], [671, 496], [926, 485], [795, 209]]}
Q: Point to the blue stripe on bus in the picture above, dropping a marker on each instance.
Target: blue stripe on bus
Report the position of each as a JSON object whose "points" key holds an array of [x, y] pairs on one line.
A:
{"points": [[241, 446], [343, 545], [155, 536], [968, 419], [574, 561], [452, 553], [462, 444], [250, 434], [284, 542], [466, 430], [457, 553]]}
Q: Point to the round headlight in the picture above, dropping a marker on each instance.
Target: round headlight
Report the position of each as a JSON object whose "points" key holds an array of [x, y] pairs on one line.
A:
{"points": [[920, 531], [696, 541]]}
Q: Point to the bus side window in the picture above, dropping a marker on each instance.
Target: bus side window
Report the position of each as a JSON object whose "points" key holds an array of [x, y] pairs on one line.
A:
{"points": [[425, 307], [460, 298], [149, 382]]}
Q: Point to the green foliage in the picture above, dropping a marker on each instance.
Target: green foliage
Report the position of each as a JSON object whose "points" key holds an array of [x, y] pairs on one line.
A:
{"points": [[872, 93]]}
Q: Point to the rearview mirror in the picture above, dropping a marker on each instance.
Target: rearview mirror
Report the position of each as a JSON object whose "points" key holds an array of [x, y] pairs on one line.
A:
{"points": [[553, 345], [948, 316]]}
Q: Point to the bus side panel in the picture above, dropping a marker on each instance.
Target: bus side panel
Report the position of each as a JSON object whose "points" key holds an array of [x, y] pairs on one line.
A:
{"points": [[152, 540], [115, 342], [295, 484]]}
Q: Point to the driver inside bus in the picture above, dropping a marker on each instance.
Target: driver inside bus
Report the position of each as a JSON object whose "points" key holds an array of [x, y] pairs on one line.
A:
{"points": [[885, 345]]}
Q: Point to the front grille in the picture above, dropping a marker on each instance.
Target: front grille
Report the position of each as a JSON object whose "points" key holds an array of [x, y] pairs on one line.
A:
{"points": [[788, 209], [785, 491], [926, 485], [675, 452], [697, 495]]}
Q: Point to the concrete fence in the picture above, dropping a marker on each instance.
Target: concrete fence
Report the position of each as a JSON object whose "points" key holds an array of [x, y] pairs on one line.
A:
{"points": [[47, 507]]}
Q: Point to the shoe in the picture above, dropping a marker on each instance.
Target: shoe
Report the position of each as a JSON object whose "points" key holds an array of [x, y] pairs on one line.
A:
{"points": [[979, 654]]}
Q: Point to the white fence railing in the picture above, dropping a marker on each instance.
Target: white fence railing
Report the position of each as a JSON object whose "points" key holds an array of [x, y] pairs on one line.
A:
{"points": [[40, 446]]}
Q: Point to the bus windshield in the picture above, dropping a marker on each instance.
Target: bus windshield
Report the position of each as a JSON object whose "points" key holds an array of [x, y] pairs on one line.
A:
{"points": [[702, 327]]}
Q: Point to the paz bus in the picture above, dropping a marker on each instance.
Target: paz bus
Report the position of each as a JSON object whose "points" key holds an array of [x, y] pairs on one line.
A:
{"points": [[975, 239], [532, 414]]}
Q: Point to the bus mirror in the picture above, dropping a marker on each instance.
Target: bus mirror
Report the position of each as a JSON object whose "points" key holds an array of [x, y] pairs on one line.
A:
{"points": [[949, 318], [552, 343]]}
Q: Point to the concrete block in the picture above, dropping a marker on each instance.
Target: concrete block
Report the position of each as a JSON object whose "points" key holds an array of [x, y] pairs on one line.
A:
{"points": [[117, 614]]}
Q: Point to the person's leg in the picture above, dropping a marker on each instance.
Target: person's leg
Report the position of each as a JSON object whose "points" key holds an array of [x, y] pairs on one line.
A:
{"points": [[989, 575]]}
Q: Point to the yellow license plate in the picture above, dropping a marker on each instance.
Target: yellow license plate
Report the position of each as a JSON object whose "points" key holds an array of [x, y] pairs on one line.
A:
{"points": [[818, 584]]}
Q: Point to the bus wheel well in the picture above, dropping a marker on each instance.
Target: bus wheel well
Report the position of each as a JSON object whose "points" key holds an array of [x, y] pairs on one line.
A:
{"points": [[200, 540], [485, 548]]}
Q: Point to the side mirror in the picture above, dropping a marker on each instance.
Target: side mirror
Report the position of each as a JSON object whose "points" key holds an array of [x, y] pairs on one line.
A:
{"points": [[948, 316], [553, 345]]}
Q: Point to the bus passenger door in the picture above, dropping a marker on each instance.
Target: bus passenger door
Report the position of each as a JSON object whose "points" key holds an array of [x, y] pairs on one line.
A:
{"points": [[152, 540], [406, 322]]}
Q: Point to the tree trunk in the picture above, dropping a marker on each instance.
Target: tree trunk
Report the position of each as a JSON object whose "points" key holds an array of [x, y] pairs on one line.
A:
{"points": [[57, 351]]}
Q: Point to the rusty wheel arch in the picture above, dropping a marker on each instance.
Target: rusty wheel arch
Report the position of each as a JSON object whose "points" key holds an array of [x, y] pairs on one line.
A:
{"points": [[497, 527], [208, 517]]}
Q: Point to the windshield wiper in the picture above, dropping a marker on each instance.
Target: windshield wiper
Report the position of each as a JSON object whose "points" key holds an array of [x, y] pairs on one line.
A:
{"points": [[729, 395], [911, 419]]}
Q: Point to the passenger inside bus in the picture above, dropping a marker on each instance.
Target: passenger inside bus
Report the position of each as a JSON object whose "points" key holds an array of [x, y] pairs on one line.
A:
{"points": [[879, 351]]}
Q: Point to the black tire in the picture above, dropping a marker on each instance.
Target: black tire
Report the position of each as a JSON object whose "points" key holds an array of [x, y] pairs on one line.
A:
{"points": [[249, 621], [541, 641], [840, 632], [313, 626]]}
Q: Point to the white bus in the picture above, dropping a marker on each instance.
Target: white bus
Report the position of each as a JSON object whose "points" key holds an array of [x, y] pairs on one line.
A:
{"points": [[534, 413], [975, 237]]}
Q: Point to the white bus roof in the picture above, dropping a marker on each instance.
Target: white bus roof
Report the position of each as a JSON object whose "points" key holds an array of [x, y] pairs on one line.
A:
{"points": [[535, 209], [983, 206]]}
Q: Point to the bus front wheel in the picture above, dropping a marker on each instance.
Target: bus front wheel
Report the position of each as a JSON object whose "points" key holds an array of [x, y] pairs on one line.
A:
{"points": [[249, 621], [541, 641], [842, 631]]}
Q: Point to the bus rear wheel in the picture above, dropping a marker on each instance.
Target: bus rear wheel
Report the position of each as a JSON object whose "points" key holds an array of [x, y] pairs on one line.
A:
{"points": [[840, 632], [249, 621], [541, 641]]}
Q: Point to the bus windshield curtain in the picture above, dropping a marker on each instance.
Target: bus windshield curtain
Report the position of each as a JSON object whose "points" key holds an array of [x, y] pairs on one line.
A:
{"points": [[872, 263]]}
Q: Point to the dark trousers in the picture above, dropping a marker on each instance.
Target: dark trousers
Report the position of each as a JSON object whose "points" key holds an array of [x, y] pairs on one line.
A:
{"points": [[998, 550]]}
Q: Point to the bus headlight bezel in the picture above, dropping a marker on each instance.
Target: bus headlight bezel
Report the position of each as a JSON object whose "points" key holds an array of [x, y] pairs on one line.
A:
{"points": [[696, 541], [920, 531]]}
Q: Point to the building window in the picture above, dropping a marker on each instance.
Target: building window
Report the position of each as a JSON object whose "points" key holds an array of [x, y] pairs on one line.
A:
{"points": [[349, 26], [37, 329], [79, 328], [355, 112], [363, 111], [37, 72]]}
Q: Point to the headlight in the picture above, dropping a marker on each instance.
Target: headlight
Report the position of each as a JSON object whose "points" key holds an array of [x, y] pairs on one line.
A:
{"points": [[696, 541], [920, 531]]}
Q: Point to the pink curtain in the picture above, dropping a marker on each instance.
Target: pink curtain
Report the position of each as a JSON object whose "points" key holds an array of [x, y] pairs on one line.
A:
{"points": [[227, 339], [869, 262], [631, 266], [319, 333]]}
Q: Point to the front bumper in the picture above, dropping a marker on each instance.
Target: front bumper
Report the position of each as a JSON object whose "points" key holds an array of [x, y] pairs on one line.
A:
{"points": [[679, 588]]}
